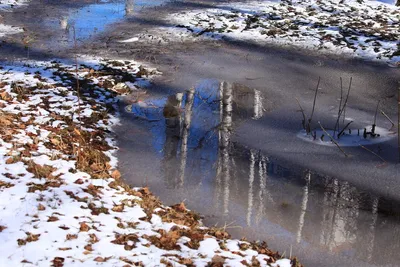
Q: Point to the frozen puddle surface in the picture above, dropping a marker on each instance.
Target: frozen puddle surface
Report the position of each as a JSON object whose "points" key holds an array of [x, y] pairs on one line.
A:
{"points": [[349, 137], [182, 147]]}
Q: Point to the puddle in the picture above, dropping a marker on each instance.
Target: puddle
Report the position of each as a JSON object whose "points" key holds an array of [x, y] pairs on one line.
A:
{"points": [[191, 157], [92, 19]]}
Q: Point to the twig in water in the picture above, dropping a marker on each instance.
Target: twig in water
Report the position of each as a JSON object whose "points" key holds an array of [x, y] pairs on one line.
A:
{"points": [[347, 98], [376, 113], [333, 140], [344, 129], [304, 116], [315, 100], [369, 150], [387, 117], [340, 107]]}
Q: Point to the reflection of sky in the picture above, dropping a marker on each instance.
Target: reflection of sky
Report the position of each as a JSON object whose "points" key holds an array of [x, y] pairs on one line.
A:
{"points": [[94, 18]]}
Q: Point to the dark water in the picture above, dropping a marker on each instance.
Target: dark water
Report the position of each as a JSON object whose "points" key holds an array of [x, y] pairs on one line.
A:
{"points": [[183, 150]]}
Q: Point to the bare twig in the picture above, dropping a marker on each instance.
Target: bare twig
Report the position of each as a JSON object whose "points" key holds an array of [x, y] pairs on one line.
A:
{"points": [[315, 100], [387, 117], [333, 140], [340, 107], [376, 113], [304, 115], [341, 132], [347, 98], [369, 150]]}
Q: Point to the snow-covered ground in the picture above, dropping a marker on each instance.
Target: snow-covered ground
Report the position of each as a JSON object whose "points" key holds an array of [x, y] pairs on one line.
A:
{"points": [[365, 29], [5, 4], [62, 200]]}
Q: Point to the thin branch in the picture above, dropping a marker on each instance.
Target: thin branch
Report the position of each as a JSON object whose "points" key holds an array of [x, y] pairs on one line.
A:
{"points": [[347, 98], [337, 126], [387, 117], [304, 115], [341, 132], [315, 100], [376, 114], [333, 140], [373, 153]]}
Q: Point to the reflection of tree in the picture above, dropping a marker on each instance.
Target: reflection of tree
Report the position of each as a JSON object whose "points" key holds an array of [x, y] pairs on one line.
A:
{"points": [[303, 206], [171, 114], [251, 181], [339, 223], [185, 133], [225, 139], [129, 5]]}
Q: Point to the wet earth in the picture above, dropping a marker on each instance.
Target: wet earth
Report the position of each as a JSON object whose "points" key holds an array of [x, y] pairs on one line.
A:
{"points": [[219, 130]]}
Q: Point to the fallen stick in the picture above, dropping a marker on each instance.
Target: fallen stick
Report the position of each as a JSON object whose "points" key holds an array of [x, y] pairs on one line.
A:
{"points": [[369, 150], [387, 117], [333, 140]]}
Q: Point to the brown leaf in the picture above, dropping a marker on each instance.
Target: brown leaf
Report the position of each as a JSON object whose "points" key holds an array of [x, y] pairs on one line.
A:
{"points": [[41, 207], [63, 227], [5, 96], [116, 174], [84, 227], [10, 160], [64, 249], [118, 208], [53, 219], [79, 181], [58, 262], [2, 228], [180, 207], [99, 259], [93, 238], [88, 247], [55, 141], [71, 236]]}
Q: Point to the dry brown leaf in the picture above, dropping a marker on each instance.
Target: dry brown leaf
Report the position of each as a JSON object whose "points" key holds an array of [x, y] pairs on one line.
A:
{"points": [[41, 207], [53, 219], [88, 247], [55, 142], [118, 208], [99, 259], [71, 236], [84, 227], [79, 181], [116, 174], [58, 262]]}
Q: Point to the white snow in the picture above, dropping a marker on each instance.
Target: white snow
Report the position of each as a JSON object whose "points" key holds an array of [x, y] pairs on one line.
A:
{"points": [[368, 30]]}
